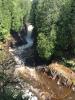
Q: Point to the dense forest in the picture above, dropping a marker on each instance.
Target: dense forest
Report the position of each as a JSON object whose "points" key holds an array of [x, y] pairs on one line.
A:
{"points": [[13, 15], [53, 22], [53, 33], [54, 27]]}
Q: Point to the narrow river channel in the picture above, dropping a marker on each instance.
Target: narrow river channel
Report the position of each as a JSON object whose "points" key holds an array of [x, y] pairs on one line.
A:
{"points": [[41, 84]]}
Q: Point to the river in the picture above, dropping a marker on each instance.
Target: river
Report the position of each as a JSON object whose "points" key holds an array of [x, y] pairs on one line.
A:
{"points": [[40, 83]]}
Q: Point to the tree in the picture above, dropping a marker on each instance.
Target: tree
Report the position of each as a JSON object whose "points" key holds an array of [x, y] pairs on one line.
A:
{"points": [[5, 19], [45, 28], [65, 29], [72, 26], [13, 14], [54, 17], [20, 12]]}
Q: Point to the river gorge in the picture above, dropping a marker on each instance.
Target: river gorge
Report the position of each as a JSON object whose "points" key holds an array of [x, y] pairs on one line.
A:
{"points": [[34, 81]]}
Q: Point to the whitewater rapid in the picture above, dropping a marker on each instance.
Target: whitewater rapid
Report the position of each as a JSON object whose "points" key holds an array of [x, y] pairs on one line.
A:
{"points": [[17, 51]]}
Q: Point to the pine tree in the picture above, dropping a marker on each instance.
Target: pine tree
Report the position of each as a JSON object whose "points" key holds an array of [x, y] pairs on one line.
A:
{"points": [[20, 12], [13, 14], [45, 20], [5, 19], [54, 21]]}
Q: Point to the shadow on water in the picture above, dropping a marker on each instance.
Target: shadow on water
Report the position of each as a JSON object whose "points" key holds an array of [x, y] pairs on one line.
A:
{"points": [[19, 37], [23, 47], [38, 79]]}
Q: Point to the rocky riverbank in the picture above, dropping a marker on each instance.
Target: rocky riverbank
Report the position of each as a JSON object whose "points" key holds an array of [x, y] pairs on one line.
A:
{"points": [[10, 84], [29, 83]]}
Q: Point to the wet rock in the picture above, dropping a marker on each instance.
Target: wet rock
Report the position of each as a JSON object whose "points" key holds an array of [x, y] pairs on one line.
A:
{"points": [[30, 95]]}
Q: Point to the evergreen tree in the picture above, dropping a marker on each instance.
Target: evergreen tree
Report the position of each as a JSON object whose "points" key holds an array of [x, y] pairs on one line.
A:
{"points": [[45, 19], [5, 19], [13, 14], [72, 26], [20, 12], [63, 24], [54, 26]]}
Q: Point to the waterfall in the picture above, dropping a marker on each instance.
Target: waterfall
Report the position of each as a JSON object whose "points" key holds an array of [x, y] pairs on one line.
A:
{"points": [[29, 39], [18, 51]]}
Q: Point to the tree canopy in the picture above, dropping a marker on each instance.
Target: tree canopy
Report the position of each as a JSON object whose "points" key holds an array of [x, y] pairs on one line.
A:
{"points": [[12, 15], [53, 20], [54, 27]]}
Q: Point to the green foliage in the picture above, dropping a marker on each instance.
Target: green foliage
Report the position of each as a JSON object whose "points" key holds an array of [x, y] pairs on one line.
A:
{"points": [[46, 44], [1, 37], [43, 46], [33, 12], [20, 13], [65, 29], [5, 18], [61, 15], [10, 92], [46, 15], [13, 14], [72, 26], [64, 37]]}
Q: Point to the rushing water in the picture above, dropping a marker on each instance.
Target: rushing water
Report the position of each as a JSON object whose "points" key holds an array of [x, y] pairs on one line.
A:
{"points": [[41, 84], [18, 51]]}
